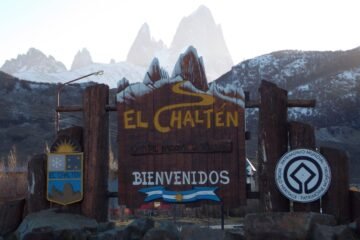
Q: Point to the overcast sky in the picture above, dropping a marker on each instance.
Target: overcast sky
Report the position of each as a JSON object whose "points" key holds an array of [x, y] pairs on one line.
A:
{"points": [[107, 28]]}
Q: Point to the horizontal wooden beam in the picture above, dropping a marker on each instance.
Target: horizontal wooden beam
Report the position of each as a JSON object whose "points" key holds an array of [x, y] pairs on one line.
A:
{"points": [[248, 104], [78, 108], [291, 103]]}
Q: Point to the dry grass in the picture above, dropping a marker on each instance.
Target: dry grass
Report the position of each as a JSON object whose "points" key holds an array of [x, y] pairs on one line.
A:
{"points": [[13, 178]]}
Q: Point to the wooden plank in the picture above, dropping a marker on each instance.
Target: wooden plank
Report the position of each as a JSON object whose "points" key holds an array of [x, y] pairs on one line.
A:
{"points": [[96, 152], [336, 200], [355, 206], [273, 143], [78, 108], [290, 103], [302, 135], [36, 199]]}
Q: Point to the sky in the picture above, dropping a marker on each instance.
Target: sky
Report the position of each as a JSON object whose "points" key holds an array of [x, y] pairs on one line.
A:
{"points": [[107, 28]]}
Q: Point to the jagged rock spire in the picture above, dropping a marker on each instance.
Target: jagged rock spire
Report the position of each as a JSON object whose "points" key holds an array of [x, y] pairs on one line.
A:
{"points": [[191, 67], [155, 72]]}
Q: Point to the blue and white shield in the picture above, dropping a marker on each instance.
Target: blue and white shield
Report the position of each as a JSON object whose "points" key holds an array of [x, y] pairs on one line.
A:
{"points": [[65, 178]]}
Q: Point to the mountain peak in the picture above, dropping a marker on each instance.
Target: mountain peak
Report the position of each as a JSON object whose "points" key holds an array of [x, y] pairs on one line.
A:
{"points": [[81, 59], [203, 11], [199, 29], [33, 61], [144, 30], [144, 47]]}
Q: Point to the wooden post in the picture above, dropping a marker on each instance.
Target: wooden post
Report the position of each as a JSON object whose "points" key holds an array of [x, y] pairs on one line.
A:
{"points": [[336, 200], [36, 199], [302, 135], [273, 143], [354, 205], [96, 152]]}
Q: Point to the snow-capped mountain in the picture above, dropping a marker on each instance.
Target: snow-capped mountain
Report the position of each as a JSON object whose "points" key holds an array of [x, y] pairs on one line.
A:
{"points": [[48, 70], [144, 48], [33, 61], [331, 78], [198, 30], [82, 59]]}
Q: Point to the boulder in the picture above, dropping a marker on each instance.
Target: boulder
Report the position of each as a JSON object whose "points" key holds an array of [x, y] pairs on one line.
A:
{"points": [[11, 214], [193, 232], [234, 235], [160, 234], [283, 225], [137, 228], [325, 232], [50, 222], [169, 227]]}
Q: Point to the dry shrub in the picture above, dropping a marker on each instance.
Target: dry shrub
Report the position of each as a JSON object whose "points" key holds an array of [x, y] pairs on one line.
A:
{"points": [[13, 178]]}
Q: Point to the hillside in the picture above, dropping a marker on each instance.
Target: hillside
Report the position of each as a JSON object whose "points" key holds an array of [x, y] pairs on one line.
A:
{"points": [[332, 78]]}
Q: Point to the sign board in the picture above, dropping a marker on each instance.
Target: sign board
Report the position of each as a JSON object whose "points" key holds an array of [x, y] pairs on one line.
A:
{"points": [[303, 175], [65, 178], [179, 144]]}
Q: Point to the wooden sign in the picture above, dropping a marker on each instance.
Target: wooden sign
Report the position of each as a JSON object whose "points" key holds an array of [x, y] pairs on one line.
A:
{"points": [[179, 144]]}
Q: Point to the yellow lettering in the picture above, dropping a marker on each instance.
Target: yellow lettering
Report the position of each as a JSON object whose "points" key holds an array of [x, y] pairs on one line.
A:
{"points": [[197, 118], [139, 123], [175, 119], [218, 119], [127, 118], [232, 118], [188, 119], [208, 117], [157, 124]]}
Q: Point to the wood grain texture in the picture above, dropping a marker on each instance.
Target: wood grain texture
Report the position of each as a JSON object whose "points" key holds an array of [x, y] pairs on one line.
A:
{"points": [[273, 143], [96, 152]]}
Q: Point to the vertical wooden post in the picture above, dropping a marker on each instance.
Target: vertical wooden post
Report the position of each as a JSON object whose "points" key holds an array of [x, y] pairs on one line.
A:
{"points": [[302, 135], [36, 199], [96, 152], [336, 200], [273, 143]]}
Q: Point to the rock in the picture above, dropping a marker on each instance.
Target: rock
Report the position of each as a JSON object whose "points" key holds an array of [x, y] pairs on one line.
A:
{"points": [[137, 228], [11, 214], [169, 227], [132, 233], [235, 235], [324, 232], [194, 232], [48, 222], [160, 234], [281, 225]]}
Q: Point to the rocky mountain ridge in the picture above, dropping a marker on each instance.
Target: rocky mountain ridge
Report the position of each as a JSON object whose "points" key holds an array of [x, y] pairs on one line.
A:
{"points": [[33, 61], [199, 30], [331, 78]]}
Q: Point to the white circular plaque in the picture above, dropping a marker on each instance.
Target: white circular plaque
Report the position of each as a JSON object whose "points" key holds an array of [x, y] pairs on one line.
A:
{"points": [[303, 175]]}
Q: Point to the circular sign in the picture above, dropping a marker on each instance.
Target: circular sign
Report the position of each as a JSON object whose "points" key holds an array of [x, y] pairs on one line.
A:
{"points": [[303, 175]]}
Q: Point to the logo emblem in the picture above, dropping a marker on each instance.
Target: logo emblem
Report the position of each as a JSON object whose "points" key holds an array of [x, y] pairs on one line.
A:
{"points": [[303, 175], [64, 178]]}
